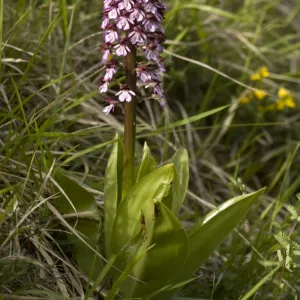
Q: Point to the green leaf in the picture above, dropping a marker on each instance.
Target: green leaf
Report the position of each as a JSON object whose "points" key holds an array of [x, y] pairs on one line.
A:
{"points": [[79, 206], [88, 262], [170, 247], [217, 225], [148, 163], [206, 8], [102, 273], [194, 118], [256, 287], [112, 190], [181, 179], [153, 186], [129, 267], [74, 198]]}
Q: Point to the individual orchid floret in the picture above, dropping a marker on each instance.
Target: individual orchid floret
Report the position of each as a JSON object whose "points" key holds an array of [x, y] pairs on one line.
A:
{"points": [[113, 10], [137, 14], [126, 5], [150, 23], [157, 89], [111, 70], [125, 94], [105, 21], [137, 36], [107, 3], [112, 103], [104, 86], [111, 34], [152, 53], [122, 48], [106, 51], [143, 73], [124, 22], [107, 109]]}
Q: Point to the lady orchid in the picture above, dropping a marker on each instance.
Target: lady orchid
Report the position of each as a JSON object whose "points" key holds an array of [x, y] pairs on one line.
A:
{"points": [[137, 24]]}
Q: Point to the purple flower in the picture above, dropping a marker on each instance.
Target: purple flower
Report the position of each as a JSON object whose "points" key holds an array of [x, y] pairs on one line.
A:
{"points": [[113, 13], [158, 90], [137, 36], [108, 109], [160, 64], [105, 21], [126, 4], [106, 50], [111, 34], [150, 22], [155, 84], [122, 49], [111, 70], [130, 24], [123, 22], [150, 7], [104, 86], [107, 3], [151, 51], [125, 94], [137, 13], [142, 72]]}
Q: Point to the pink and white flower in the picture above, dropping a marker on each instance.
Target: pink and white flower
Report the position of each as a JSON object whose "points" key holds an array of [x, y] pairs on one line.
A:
{"points": [[111, 34], [105, 22], [124, 22], [111, 70], [104, 86], [125, 94], [126, 4], [122, 49], [137, 36], [107, 109], [113, 13], [137, 13]]}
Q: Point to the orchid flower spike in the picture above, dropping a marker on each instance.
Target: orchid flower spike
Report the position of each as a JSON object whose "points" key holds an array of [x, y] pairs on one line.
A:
{"points": [[127, 24]]}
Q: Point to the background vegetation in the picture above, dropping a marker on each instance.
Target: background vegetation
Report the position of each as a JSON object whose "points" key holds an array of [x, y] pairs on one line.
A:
{"points": [[51, 117]]}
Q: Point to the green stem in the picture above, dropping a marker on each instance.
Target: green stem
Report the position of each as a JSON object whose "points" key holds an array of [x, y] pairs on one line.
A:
{"points": [[130, 122]]}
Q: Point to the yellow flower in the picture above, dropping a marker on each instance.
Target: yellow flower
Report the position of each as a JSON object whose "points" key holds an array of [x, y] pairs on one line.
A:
{"points": [[260, 94], [255, 77], [264, 72], [244, 100], [290, 102], [282, 93], [280, 105]]}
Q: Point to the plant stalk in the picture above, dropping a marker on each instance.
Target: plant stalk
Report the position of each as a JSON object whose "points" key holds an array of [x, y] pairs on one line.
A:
{"points": [[130, 121]]}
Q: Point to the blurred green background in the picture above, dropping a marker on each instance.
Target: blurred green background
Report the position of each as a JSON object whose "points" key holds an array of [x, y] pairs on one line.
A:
{"points": [[240, 53]]}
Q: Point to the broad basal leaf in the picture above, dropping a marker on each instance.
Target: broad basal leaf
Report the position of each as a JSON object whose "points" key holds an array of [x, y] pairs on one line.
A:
{"points": [[181, 179], [159, 265], [153, 186], [217, 225], [112, 191], [74, 198], [85, 219], [86, 259]]}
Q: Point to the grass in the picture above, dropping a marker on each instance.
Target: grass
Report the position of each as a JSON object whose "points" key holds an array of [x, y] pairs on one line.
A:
{"points": [[51, 117]]}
